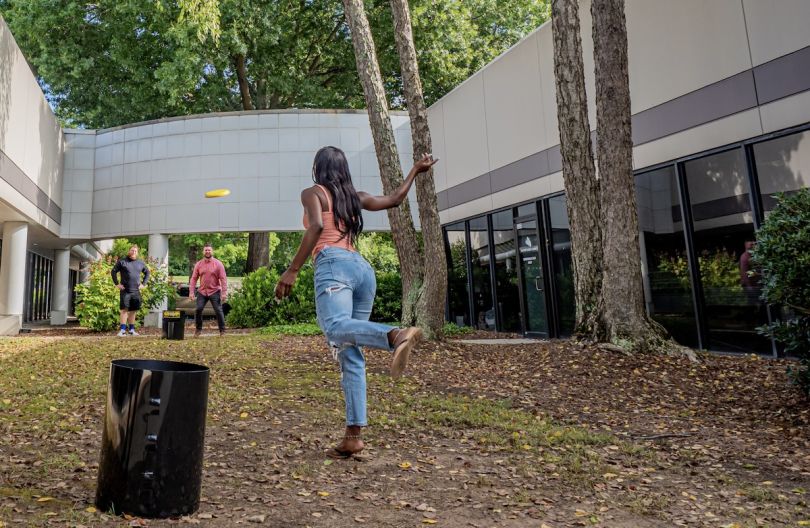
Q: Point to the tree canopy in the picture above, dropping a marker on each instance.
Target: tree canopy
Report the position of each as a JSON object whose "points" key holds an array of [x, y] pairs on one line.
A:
{"points": [[106, 63]]}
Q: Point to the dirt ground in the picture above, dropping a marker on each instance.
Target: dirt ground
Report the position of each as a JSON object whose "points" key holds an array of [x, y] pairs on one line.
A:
{"points": [[547, 434]]}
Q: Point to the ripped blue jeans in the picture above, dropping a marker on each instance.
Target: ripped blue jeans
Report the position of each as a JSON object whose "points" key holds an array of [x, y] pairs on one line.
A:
{"points": [[345, 286]]}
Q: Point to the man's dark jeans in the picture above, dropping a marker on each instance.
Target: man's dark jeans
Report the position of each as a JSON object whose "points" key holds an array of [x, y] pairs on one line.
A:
{"points": [[216, 303]]}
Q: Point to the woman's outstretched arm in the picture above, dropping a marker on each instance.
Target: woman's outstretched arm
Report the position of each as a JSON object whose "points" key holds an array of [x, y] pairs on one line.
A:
{"points": [[378, 203], [312, 205]]}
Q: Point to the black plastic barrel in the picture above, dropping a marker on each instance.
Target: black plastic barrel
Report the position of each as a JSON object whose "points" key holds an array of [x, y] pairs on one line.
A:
{"points": [[152, 446], [174, 324]]}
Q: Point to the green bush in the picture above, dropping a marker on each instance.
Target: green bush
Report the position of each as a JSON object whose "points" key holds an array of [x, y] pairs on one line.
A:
{"points": [[378, 249], [782, 253], [454, 330], [97, 299], [254, 304], [388, 303]]}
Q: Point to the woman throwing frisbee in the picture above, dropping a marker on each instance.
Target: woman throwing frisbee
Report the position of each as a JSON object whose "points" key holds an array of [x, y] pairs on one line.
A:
{"points": [[345, 284]]}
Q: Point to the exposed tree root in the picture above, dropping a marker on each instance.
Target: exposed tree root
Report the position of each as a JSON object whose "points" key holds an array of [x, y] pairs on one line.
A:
{"points": [[640, 337]]}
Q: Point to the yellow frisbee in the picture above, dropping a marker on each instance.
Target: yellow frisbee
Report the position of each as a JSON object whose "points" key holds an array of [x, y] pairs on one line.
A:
{"points": [[217, 193]]}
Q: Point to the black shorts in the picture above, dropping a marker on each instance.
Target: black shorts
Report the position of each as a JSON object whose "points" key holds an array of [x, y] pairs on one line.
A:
{"points": [[130, 301]]}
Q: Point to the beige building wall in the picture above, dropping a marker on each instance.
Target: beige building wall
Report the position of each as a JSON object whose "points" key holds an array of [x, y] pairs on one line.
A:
{"points": [[31, 142], [688, 59], [465, 132], [677, 47], [776, 28]]}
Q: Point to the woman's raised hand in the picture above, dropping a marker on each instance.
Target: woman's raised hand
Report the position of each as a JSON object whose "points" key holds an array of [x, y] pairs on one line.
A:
{"points": [[424, 164]]}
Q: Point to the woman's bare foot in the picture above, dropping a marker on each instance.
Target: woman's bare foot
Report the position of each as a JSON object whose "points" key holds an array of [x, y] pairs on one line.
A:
{"points": [[403, 342]]}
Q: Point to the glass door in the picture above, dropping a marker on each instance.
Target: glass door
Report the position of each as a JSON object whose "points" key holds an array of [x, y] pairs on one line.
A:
{"points": [[532, 279]]}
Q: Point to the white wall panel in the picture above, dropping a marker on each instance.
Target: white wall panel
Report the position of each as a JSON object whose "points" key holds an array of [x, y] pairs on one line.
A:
{"points": [[514, 112], [265, 168], [678, 47], [465, 132], [776, 28]]}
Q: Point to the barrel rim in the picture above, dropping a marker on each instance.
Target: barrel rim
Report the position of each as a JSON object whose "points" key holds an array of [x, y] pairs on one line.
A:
{"points": [[159, 365]]}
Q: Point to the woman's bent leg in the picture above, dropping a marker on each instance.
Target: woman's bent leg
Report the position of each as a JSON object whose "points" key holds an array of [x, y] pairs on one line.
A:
{"points": [[335, 304]]}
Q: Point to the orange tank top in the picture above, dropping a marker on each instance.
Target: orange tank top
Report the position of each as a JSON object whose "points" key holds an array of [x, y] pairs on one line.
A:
{"points": [[330, 236]]}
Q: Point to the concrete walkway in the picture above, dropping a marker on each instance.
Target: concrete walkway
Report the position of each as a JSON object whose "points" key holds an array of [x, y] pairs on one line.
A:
{"points": [[519, 341]]}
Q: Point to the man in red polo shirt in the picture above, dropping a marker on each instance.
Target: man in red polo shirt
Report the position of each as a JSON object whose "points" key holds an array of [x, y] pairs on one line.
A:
{"points": [[213, 287]]}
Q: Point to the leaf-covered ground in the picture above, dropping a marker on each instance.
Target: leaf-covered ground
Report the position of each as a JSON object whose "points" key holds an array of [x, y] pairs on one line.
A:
{"points": [[549, 434]]}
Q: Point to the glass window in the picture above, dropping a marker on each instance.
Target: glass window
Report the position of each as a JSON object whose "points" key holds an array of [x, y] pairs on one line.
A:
{"points": [[667, 287], [561, 260], [457, 287], [506, 276], [724, 232], [783, 165], [527, 209], [483, 309]]}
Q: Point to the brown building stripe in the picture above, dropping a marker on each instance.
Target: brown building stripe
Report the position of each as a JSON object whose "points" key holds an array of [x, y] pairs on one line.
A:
{"points": [[14, 176]]}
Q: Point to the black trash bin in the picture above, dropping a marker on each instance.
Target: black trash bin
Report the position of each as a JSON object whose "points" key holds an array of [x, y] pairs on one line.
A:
{"points": [[152, 445], [174, 324]]}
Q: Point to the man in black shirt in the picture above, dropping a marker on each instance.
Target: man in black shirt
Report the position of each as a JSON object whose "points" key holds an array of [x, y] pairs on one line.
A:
{"points": [[130, 269]]}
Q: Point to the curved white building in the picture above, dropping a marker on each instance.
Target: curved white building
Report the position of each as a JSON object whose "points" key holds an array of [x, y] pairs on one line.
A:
{"points": [[150, 178]]}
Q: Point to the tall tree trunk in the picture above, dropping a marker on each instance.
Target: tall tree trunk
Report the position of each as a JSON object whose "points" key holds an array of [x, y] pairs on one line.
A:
{"points": [[258, 243], [402, 229], [433, 295], [624, 317], [258, 251], [244, 86], [193, 253], [579, 173]]}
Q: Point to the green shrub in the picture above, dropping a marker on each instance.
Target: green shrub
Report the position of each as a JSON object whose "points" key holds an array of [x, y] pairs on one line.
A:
{"points": [[454, 330], [378, 249], [97, 299], [388, 303], [254, 304], [783, 255]]}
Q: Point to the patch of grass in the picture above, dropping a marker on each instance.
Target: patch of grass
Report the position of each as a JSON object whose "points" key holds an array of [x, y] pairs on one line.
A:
{"points": [[760, 494], [522, 496], [652, 505], [300, 329], [499, 422]]}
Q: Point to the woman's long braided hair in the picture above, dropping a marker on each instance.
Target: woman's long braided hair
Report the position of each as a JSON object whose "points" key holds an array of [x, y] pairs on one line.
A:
{"points": [[331, 170]]}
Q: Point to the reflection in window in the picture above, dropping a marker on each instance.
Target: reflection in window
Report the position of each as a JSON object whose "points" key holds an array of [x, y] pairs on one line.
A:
{"points": [[506, 276], [527, 209], [667, 288], [457, 287], [783, 165], [724, 232], [483, 309], [561, 260]]}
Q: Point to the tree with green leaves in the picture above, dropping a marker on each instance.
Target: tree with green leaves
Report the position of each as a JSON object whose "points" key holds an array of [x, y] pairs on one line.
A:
{"points": [[382, 132], [107, 63], [430, 304]]}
